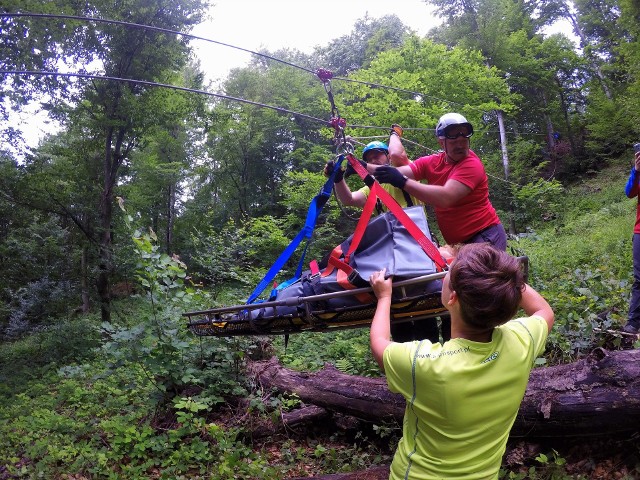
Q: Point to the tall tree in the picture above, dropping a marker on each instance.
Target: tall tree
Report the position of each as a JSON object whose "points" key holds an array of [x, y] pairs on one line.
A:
{"points": [[118, 113], [509, 35], [608, 32], [356, 50]]}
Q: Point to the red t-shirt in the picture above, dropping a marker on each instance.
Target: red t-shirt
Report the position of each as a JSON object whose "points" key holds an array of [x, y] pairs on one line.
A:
{"points": [[474, 212]]}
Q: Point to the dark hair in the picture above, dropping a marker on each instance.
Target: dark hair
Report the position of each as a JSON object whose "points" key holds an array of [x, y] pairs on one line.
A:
{"points": [[488, 283]]}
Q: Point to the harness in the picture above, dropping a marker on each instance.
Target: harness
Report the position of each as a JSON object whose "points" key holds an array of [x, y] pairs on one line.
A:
{"points": [[348, 277]]}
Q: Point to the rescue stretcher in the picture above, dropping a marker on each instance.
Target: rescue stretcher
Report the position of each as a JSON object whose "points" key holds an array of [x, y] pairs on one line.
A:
{"points": [[339, 296], [415, 299], [310, 313]]}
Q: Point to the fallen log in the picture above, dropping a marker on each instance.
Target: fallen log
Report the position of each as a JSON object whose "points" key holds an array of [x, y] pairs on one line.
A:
{"points": [[375, 473], [597, 395], [307, 414]]}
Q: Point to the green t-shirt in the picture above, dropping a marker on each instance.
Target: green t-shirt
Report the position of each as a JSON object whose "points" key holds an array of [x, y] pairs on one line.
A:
{"points": [[462, 399], [396, 193]]}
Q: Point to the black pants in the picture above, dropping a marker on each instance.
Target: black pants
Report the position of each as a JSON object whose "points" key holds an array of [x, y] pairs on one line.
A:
{"points": [[425, 329]]}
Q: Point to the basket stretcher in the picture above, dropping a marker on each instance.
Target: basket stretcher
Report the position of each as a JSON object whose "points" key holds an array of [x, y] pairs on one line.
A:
{"points": [[413, 299]]}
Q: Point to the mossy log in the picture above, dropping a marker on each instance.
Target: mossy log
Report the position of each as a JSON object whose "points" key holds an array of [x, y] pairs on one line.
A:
{"points": [[597, 395]]}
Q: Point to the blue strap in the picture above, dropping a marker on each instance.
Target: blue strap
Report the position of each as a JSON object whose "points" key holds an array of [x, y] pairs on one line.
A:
{"points": [[632, 182], [315, 207]]}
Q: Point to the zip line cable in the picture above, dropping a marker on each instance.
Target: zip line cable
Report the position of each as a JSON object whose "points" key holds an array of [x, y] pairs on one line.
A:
{"points": [[317, 72], [162, 85], [185, 89], [196, 37], [149, 27]]}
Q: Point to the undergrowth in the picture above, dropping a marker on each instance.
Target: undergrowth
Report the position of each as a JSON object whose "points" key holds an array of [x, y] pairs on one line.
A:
{"points": [[142, 398]]}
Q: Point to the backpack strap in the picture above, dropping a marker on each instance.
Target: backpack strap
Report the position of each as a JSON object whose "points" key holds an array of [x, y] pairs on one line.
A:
{"points": [[315, 207]]}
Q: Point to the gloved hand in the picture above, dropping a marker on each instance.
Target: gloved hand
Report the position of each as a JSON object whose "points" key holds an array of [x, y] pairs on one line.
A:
{"points": [[391, 175], [350, 170], [396, 130], [328, 170]]}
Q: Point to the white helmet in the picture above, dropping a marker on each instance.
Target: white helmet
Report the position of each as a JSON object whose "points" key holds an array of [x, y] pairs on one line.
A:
{"points": [[449, 119]]}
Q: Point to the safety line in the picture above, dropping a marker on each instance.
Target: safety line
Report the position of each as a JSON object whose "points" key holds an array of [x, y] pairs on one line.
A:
{"points": [[190, 90], [149, 27], [196, 37], [163, 85]]}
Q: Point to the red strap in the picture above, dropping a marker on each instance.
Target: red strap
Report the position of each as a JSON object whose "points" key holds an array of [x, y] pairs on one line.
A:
{"points": [[336, 253], [342, 277], [358, 233], [313, 266], [419, 236]]}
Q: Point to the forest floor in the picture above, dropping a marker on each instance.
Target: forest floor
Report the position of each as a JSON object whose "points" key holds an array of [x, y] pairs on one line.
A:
{"points": [[346, 440]]}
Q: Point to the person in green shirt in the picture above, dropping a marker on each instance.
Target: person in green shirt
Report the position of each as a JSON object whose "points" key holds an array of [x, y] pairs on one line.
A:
{"points": [[463, 396]]}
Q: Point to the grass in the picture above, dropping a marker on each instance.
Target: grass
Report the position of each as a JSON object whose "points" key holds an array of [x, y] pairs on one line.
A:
{"points": [[66, 410]]}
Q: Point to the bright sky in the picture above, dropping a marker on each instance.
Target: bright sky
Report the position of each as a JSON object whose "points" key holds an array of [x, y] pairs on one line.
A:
{"points": [[300, 24], [271, 24]]}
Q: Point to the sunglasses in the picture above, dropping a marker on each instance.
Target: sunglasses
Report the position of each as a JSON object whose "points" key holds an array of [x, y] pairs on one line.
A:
{"points": [[453, 136]]}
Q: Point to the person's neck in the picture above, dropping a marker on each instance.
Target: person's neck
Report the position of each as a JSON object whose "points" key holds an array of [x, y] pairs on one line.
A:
{"points": [[459, 329], [448, 159]]}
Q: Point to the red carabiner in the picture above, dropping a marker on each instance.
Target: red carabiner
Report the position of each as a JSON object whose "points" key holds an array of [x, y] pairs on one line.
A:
{"points": [[324, 75]]}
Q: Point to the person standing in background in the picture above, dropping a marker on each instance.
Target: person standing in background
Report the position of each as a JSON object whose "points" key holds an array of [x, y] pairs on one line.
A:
{"points": [[631, 190]]}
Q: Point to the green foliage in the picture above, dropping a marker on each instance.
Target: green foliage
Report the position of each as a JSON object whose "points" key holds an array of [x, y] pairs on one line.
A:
{"points": [[238, 256], [611, 128], [535, 201], [550, 467], [434, 72], [347, 349], [158, 341], [582, 264], [96, 423]]}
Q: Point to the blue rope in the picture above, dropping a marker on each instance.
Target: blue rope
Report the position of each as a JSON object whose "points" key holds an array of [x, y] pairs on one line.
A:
{"points": [[315, 207]]}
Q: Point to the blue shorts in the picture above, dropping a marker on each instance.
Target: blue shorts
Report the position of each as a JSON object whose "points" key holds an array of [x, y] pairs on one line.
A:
{"points": [[495, 235]]}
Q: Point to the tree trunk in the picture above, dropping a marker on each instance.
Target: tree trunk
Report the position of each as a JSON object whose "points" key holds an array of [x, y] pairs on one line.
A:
{"points": [[113, 155], [505, 164], [171, 212], [597, 395], [84, 275], [595, 63]]}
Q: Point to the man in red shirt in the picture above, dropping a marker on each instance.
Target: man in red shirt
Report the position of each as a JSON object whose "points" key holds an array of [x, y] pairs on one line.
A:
{"points": [[457, 184]]}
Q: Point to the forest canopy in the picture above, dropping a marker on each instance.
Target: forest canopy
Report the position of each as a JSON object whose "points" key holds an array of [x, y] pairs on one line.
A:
{"points": [[162, 193]]}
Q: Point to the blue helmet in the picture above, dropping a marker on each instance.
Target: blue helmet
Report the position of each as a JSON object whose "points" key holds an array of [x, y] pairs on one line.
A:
{"points": [[375, 146]]}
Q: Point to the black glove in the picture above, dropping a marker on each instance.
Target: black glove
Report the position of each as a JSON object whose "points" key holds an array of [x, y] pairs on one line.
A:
{"points": [[391, 175], [328, 170], [350, 170], [396, 130]]}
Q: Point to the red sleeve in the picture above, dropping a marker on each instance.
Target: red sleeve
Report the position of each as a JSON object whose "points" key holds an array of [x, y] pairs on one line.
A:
{"points": [[470, 172]]}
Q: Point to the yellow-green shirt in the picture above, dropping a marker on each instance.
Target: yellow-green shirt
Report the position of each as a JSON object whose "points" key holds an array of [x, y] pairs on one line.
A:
{"points": [[396, 193], [462, 399]]}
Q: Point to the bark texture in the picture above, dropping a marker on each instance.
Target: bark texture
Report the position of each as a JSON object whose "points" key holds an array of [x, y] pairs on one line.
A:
{"points": [[597, 395]]}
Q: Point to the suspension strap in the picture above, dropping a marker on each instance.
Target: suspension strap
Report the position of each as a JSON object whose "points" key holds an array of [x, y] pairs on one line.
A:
{"points": [[315, 207], [419, 236]]}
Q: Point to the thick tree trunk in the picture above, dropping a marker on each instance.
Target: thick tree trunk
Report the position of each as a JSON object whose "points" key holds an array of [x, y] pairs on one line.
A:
{"points": [[598, 395], [113, 156]]}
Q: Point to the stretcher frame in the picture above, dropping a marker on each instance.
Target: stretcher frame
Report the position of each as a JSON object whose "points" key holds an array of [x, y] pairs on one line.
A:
{"points": [[236, 320]]}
